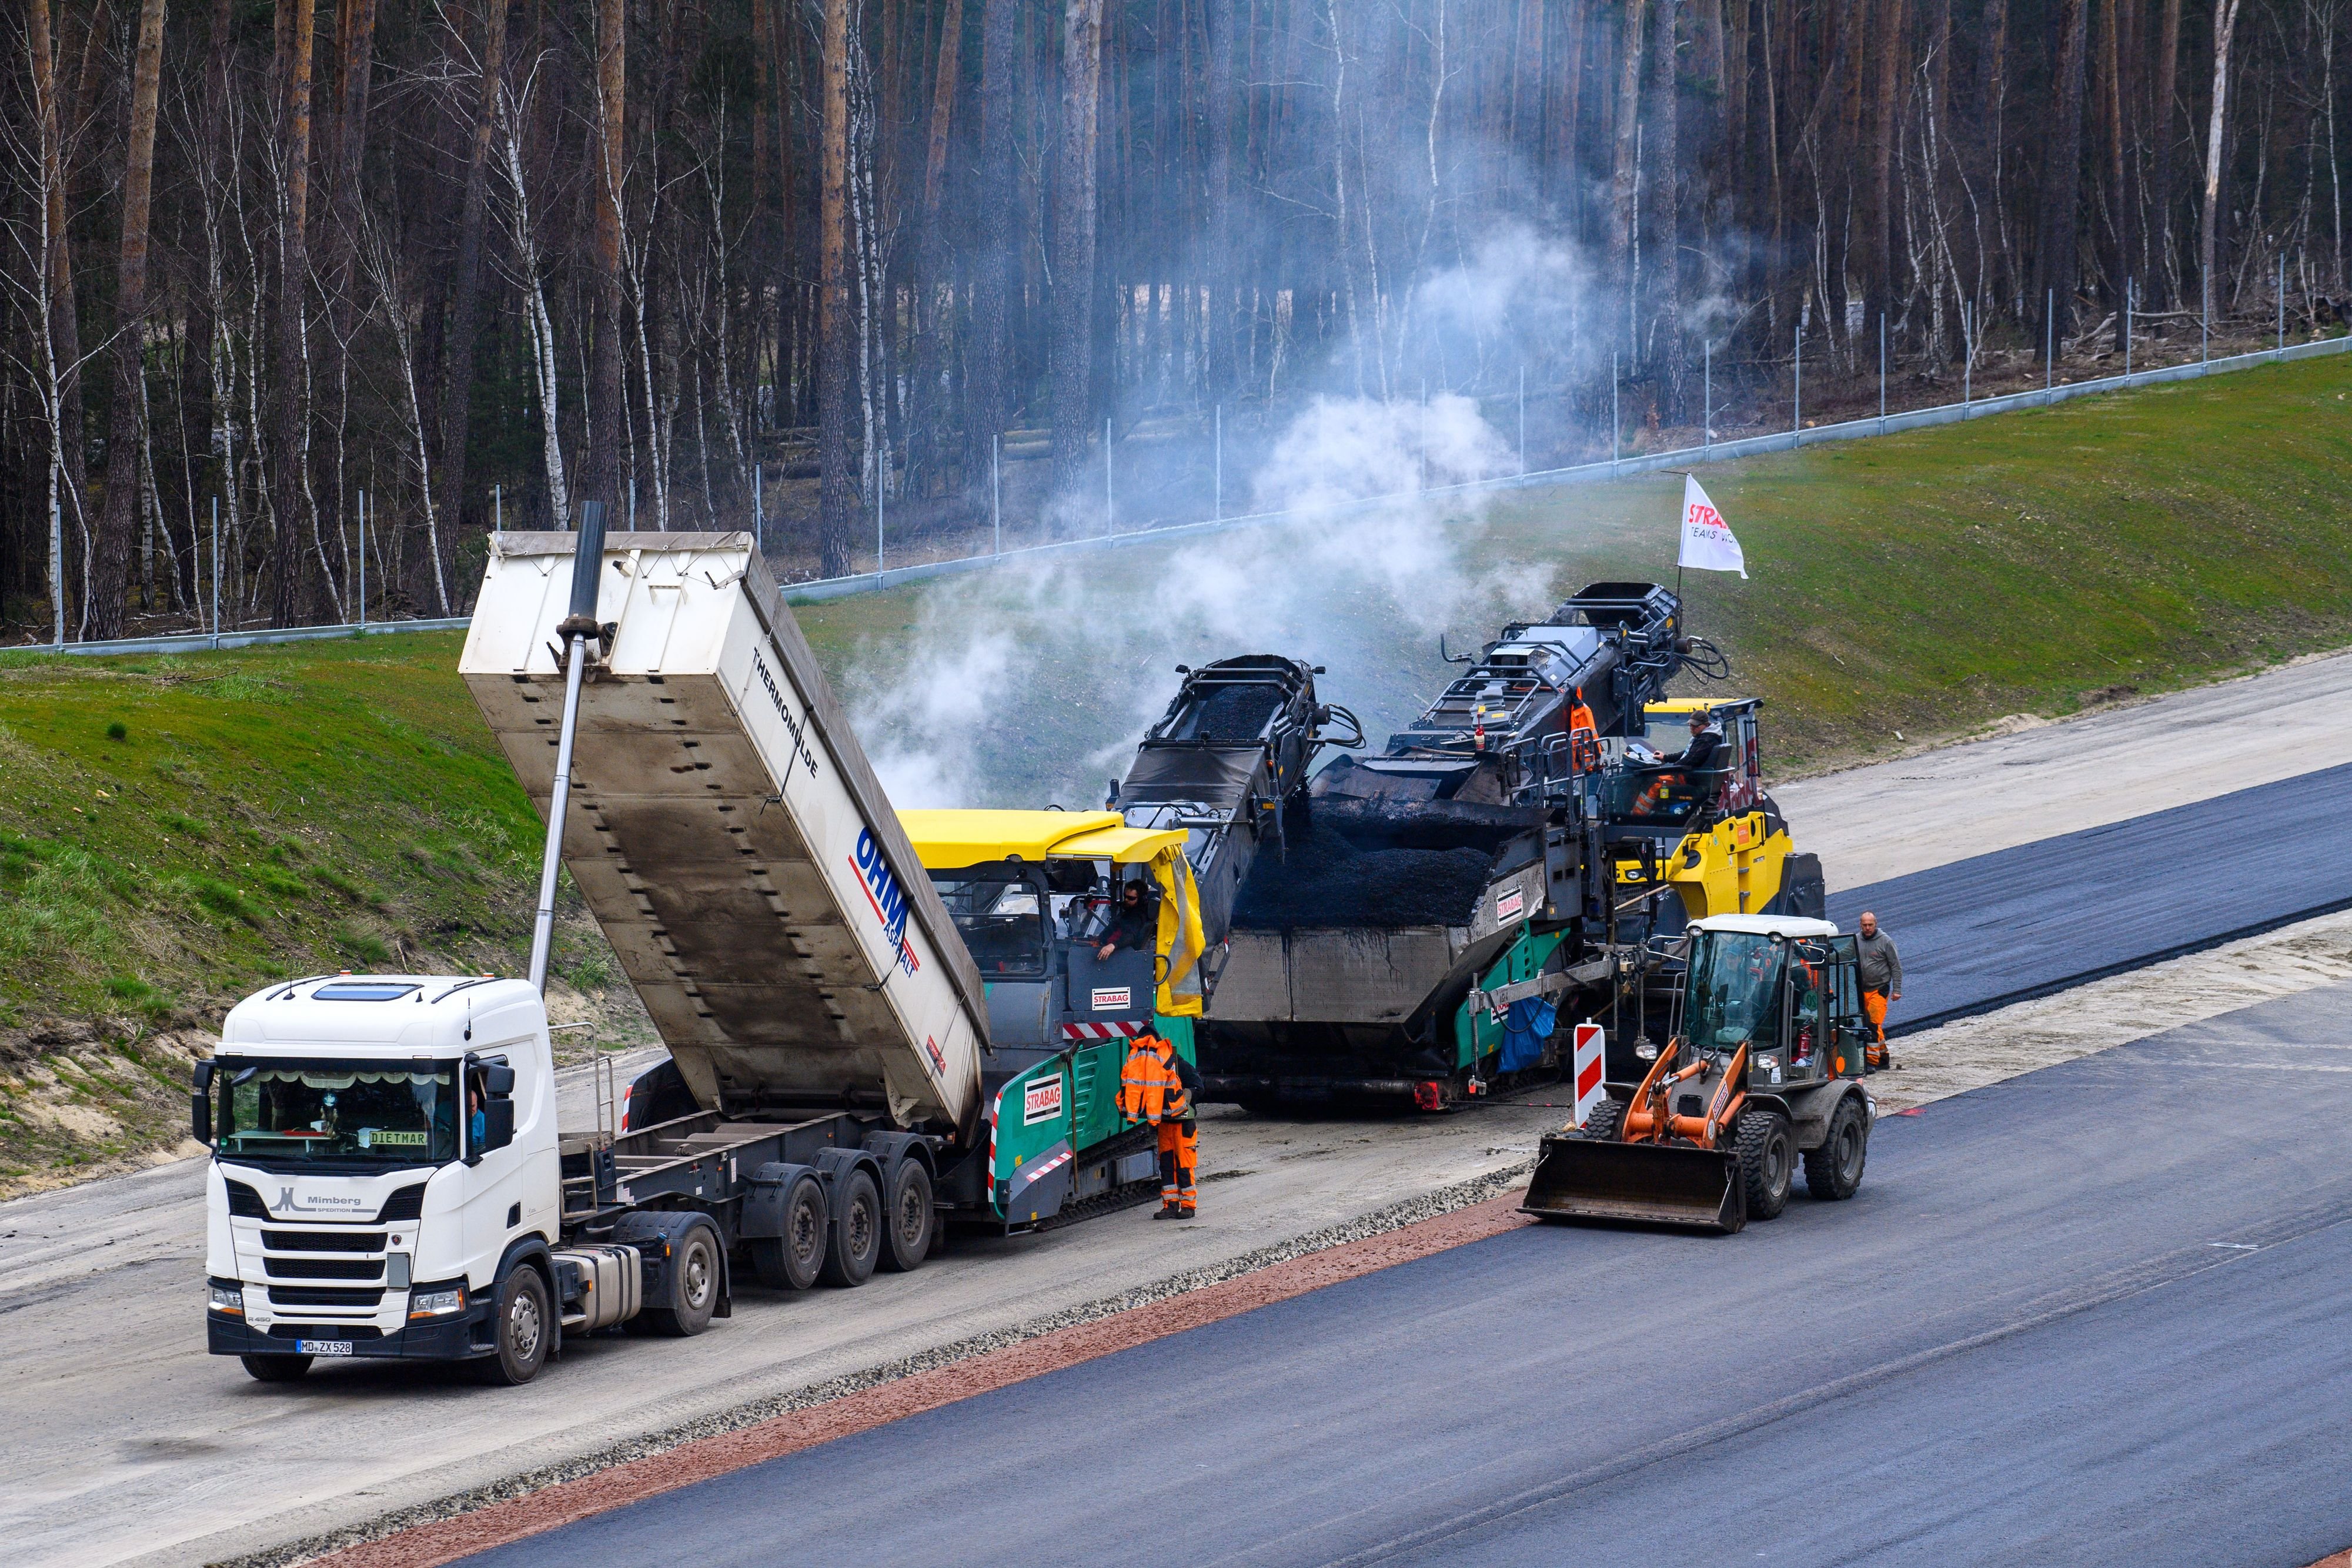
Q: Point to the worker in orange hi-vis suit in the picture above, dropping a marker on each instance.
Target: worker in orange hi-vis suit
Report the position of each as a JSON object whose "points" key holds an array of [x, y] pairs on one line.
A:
{"points": [[1156, 1086], [1882, 982]]}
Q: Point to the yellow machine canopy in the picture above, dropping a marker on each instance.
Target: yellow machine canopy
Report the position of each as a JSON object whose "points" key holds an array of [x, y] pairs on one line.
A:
{"points": [[949, 840]]}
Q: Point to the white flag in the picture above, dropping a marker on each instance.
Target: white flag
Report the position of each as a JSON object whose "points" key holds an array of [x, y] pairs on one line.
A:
{"points": [[1707, 543]]}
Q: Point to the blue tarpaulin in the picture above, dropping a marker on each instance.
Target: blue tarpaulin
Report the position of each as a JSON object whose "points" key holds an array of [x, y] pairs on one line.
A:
{"points": [[1525, 1026]]}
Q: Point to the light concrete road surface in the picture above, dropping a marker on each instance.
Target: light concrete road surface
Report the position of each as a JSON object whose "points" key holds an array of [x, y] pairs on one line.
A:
{"points": [[1890, 818]]}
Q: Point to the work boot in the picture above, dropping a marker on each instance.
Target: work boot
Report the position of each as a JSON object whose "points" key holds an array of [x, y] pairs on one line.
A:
{"points": [[1168, 1211], [1187, 1212]]}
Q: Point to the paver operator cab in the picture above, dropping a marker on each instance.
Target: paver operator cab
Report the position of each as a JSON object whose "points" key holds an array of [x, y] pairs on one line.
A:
{"points": [[388, 1178]]}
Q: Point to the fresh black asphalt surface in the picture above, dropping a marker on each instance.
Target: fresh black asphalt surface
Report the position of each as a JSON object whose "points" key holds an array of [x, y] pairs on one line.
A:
{"points": [[1997, 928], [2090, 1315]]}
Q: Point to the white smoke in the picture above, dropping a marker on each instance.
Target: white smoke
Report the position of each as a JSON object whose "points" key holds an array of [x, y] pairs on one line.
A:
{"points": [[1032, 683]]}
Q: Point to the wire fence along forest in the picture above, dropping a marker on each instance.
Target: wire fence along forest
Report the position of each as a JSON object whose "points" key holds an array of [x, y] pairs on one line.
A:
{"points": [[305, 302], [1716, 444]]}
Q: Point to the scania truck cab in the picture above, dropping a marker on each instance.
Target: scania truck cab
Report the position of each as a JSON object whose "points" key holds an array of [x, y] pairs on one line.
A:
{"points": [[384, 1157]]}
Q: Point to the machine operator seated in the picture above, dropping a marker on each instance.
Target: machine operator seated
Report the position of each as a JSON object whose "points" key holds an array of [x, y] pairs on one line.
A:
{"points": [[1132, 927]]}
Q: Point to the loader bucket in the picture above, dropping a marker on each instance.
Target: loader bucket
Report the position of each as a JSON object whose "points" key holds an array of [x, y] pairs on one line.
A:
{"points": [[1640, 1183]]}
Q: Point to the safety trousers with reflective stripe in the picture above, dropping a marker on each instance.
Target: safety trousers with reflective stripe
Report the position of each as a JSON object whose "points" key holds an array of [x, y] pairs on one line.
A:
{"points": [[1180, 1149]]}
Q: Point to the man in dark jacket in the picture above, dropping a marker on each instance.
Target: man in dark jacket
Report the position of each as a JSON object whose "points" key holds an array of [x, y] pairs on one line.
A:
{"points": [[1130, 924], [1882, 982], [1703, 743]]}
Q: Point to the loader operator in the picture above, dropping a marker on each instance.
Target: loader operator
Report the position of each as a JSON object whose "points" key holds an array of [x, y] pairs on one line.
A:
{"points": [[1156, 1086], [1882, 982]]}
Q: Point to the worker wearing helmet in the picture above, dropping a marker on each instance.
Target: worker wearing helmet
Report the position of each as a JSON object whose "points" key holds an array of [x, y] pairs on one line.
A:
{"points": [[1156, 1086], [1584, 736]]}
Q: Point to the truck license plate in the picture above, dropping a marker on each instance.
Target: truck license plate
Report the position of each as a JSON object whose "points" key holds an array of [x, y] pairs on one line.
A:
{"points": [[323, 1346]]}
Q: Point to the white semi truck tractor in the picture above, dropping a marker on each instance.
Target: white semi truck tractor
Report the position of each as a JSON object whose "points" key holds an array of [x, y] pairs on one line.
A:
{"points": [[388, 1178]]}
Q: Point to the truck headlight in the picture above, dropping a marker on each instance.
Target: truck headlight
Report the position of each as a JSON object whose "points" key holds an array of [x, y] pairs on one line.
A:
{"points": [[228, 1298], [436, 1302]]}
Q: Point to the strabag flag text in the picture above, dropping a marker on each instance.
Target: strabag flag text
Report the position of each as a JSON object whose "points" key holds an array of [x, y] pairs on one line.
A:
{"points": [[1708, 541]]}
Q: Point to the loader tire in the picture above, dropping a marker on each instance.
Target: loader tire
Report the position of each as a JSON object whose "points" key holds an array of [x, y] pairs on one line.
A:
{"points": [[1833, 1170], [1767, 1160], [1601, 1124]]}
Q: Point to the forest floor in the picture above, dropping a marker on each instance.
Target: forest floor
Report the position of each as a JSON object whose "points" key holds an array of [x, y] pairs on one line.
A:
{"points": [[177, 830]]}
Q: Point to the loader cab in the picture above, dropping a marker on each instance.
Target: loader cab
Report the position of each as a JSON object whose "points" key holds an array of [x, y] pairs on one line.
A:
{"points": [[1783, 986]]}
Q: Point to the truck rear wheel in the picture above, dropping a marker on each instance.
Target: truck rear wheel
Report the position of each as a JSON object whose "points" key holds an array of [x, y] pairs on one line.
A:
{"points": [[276, 1368], [1833, 1170], [694, 1279], [1768, 1163], [855, 1242], [524, 1327], [909, 1220], [791, 1262]]}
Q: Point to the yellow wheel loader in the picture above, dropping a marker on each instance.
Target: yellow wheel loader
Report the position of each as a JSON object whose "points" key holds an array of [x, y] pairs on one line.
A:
{"points": [[1761, 1072]]}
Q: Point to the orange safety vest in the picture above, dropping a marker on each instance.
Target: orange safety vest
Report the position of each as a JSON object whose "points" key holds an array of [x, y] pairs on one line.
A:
{"points": [[1584, 739], [1149, 1087]]}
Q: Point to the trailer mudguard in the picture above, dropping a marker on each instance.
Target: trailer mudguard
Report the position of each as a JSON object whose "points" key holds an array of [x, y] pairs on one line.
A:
{"points": [[762, 1215]]}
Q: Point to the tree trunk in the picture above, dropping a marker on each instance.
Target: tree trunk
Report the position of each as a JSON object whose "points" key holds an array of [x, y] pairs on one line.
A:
{"points": [[1224, 345], [993, 267], [1878, 211], [62, 377], [2225, 27], [126, 434], [1663, 161], [1076, 162], [466, 287], [934, 273], [601, 471], [290, 404], [2160, 248], [2062, 181], [1624, 178], [2120, 253], [835, 378]]}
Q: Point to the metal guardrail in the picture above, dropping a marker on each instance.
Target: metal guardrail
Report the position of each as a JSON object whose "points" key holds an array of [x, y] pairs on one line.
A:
{"points": [[821, 589], [206, 642]]}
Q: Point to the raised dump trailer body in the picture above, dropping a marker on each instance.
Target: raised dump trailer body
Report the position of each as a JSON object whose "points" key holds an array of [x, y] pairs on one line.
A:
{"points": [[728, 835]]}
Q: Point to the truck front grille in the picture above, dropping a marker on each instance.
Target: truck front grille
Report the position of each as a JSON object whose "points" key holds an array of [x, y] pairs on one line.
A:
{"points": [[322, 1296], [324, 1268], [323, 1240]]}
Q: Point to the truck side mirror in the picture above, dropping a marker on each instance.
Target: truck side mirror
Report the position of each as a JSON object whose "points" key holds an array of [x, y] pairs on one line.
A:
{"points": [[200, 1103], [498, 1078], [497, 1122]]}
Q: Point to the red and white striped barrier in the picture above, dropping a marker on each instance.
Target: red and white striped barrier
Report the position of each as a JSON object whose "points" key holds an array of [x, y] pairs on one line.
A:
{"points": [[1590, 1038], [1103, 1031]]}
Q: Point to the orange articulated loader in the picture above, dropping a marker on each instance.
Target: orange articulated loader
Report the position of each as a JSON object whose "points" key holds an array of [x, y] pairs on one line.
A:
{"points": [[1762, 1073]]}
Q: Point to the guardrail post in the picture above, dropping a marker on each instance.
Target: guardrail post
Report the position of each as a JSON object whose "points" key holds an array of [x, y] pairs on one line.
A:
{"points": [[2049, 348], [1614, 422], [2129, 300], [2282, 303], [1797, 392], [1967, 356], [1882, 372], [216, 571], [996, 488]]}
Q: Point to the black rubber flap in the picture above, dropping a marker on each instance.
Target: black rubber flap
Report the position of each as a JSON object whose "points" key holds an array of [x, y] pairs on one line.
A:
{"points": [[1638, 1184], [1214, 776]]}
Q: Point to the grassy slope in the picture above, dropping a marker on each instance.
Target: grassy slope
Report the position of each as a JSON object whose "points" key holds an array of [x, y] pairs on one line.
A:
{"points": [[176, 831], [287, 811]]}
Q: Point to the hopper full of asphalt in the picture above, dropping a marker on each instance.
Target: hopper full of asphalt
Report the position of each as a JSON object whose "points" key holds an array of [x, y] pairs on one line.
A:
{"points": [[1321, 878]]}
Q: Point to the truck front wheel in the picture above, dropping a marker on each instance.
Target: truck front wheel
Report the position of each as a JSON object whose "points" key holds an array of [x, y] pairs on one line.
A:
{"points": [[524, 1327], [276, 1368]]}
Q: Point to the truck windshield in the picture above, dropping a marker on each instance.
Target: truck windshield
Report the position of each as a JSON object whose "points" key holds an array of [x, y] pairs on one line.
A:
{"points": [[1734, 993], [343, 1113], [1004, 923]]}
